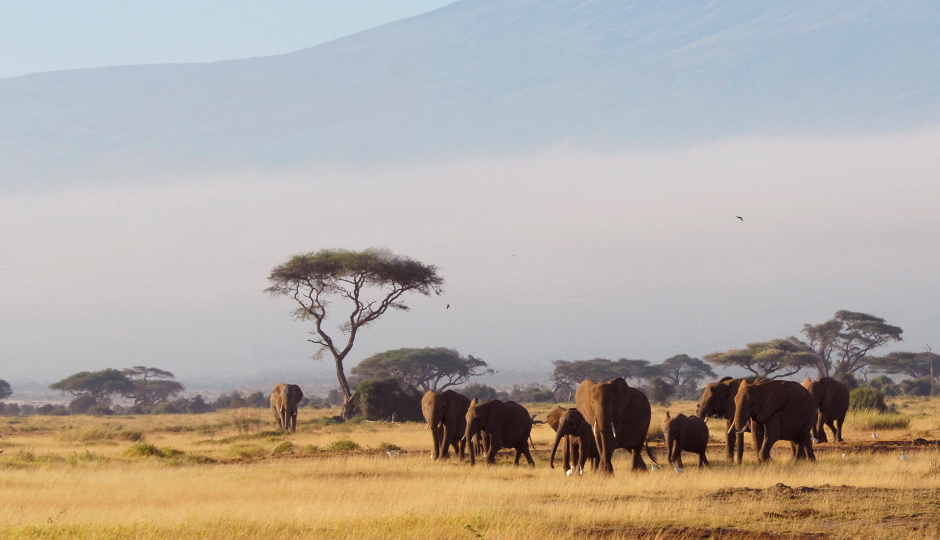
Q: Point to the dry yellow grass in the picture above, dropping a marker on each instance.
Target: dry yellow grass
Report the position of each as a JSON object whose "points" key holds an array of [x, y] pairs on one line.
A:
{"points": [[219, 478]]}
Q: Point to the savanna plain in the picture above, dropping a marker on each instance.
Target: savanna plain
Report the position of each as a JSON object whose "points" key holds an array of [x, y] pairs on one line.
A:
{"points": [[233, 475]]}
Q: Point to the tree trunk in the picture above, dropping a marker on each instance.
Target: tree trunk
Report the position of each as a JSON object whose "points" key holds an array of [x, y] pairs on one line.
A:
{"points": [[347, 393]]}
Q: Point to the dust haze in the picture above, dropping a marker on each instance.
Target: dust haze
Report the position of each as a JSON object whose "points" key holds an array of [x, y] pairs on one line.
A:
{"points": [[561, 254]]}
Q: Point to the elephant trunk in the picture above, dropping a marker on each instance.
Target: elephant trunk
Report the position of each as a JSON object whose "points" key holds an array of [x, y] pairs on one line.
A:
{"points": [[562, 432], [471, 432], [742, 417], [436, 436]]}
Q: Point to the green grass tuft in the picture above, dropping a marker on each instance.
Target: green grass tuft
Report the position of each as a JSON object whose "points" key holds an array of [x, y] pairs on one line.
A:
{"points": [[343, 445]]}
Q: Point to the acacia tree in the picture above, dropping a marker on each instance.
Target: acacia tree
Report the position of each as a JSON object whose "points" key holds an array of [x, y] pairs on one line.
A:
{"points": [[768, 359], [428, 369], [5, 390], [97, 385], [567, 375], [914, 365], [843, 342], [683, 370], [312, 279], [151, 385]]}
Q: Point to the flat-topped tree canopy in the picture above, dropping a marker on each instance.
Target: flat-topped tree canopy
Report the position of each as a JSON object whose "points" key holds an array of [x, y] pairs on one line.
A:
{"points": [[768, 359], [312, 279]]}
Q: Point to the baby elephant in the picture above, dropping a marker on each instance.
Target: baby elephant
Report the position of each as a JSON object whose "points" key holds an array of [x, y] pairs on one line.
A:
{"points": [[685, 434]]}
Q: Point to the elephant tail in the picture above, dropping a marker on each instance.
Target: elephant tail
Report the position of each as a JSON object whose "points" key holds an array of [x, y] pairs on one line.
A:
{"points": [[649, 452]]}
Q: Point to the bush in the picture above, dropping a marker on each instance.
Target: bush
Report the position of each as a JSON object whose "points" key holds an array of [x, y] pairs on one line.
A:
{"points": [[480, 392], [81, 404], [343, 445], [660, 391], [916, 387], [386, 446], [52, 410], [142, 449], [383, 399], [99, 410], [282, 449], [164, 408], [866, 398], [847, 379]]}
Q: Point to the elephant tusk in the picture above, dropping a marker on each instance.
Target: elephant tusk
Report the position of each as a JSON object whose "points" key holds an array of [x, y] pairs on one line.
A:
{"points": [[594, 429], [613, 429], [740, 432], [427, 425], [730, 429]]}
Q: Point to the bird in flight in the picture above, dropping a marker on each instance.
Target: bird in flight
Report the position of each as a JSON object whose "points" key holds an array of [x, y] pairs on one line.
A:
{"points": [[739, 217], [448, 306]]}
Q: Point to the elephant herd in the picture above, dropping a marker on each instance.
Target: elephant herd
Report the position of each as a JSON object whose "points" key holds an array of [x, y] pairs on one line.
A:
{"points": [[612, 415]]}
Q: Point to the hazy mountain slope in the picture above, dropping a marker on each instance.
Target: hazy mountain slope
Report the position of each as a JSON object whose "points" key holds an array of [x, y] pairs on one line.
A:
{"points": [[491, 76]]}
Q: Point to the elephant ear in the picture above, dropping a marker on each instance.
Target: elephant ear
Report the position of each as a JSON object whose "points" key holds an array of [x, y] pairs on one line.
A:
{"points": [[773, 397], [554, 416]]}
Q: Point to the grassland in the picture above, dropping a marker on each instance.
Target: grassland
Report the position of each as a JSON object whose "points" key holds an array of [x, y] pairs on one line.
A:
{"points": [[231, 475]]}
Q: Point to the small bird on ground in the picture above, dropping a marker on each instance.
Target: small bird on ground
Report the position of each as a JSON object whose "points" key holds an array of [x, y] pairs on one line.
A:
{"points": [[739, 217], [814, 440], [392, 454], [905, 458], [873, 435], [677, 468], [843, 456], [653, 467]]}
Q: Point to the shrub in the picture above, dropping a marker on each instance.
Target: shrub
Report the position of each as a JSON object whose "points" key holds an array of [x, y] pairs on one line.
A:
{"points": [[867, 398], [916, 387], [380, 399], [142, 449], [386, 446], [164, 408], [660, 391], [479, 391], [282, 449], [343, 445], [81, 404]]}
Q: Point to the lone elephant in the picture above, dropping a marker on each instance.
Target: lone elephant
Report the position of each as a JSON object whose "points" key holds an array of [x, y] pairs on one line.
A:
{"points": [[685, 434], [577, 440], [619, 417], [718, 401], [832, 400], [284, 400], [446, 416], [504, 424], [776, 410]]}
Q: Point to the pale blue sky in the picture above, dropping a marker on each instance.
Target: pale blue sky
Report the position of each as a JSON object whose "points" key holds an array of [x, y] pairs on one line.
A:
{"points": [[50, 35]]}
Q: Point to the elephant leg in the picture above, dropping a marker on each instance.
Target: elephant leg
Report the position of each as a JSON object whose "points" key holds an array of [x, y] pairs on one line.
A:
{"points": [[462, 452], [494, 443], [771, 434], [518, 455], [679, 460], [528, 456], [702, 460], [838, 430], [832, 427], [638, 463]]}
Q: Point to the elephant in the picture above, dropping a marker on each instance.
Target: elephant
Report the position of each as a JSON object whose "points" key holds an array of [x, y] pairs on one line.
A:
{"points": [[504, 424], [776, 410], [685, 434], [446, 416], [718, 401], [284, 400], [578, 444], [619, 417], [832, 400]]}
